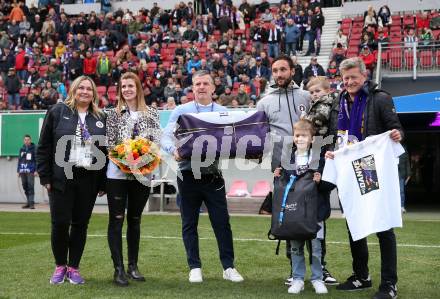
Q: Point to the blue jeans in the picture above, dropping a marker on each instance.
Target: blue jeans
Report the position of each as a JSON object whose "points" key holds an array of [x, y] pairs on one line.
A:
{"points": [[402, 192], [299, 263], [273, 50], [291, 47], [130, 38], [312, 38], [14, 99]]}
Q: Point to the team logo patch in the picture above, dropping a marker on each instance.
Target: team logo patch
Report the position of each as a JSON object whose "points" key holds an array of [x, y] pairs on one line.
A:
{"points": [[302, 108], [99, 124], [366, 174]]}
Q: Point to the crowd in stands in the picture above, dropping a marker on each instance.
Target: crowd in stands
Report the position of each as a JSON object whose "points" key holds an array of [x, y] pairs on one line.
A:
{"points": [[361, 36], [43, 49]]}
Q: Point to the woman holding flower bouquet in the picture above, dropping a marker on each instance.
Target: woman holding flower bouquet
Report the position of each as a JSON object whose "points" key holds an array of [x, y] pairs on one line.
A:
{"points": [[133, 132], [72, 190]]}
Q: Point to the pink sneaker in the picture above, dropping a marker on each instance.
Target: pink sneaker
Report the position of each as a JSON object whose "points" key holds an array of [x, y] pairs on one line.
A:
{"points": [[58, 275]]}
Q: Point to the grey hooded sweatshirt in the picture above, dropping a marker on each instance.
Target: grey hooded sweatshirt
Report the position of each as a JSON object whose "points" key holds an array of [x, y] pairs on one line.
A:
{"points": [[276, 104]]}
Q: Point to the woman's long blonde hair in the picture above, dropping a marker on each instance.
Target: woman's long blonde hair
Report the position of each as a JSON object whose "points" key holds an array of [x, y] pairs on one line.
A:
{"points": [[141, 106], [71, 101]]}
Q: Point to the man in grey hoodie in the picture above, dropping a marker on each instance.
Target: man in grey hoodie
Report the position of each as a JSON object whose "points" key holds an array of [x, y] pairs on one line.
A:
{"points": [[284, 103]]}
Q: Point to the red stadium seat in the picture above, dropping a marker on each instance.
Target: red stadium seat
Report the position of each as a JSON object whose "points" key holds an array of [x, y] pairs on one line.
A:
{"points": [[356, 30], [260, 189], [396, 19], [358, 19], [384, 56], [111, 93], [409, 59], [347, 21], [426, 59], [395, 58], [437, 55], [239, 188]]}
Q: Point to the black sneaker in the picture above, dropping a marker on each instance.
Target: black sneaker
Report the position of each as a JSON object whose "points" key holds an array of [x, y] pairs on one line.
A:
{"points": [[328, 278], [354, 283], [25, 206], [387, 292]]}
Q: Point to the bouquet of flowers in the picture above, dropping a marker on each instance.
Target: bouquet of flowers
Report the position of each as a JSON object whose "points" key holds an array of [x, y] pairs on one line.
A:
{"points": [[136, 156]]}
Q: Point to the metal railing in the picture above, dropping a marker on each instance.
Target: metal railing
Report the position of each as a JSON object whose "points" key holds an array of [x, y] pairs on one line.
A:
{"points": [[408, 59]]}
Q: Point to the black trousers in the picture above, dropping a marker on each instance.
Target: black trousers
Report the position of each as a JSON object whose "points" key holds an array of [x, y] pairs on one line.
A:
{"points": [[27, 181], [388, 257], [299, 45], [70, 212], [122, 194], [210, 189]]}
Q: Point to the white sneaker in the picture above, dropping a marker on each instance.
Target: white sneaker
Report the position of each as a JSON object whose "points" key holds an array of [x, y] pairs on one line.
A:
{"points": [[403, 210], [319, 287], [296, 287], [232, 275], [195, 275]]}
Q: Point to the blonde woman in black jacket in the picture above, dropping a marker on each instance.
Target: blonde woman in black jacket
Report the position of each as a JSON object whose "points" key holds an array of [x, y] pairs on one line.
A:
{"points": [[72, 172]]}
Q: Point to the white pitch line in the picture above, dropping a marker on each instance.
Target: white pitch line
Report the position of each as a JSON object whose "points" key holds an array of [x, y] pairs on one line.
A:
{"points": [[204, 238]]}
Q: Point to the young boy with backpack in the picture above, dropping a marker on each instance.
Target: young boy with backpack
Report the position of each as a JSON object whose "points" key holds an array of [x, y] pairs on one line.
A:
{"points": [[302, 200], [324, 102]]}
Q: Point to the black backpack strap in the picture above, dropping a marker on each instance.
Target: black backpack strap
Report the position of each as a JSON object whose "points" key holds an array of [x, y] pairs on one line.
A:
{"points": [[277, 251], [272, 237]]}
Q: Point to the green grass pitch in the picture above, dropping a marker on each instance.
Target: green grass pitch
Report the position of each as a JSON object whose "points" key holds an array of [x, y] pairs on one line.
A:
{"points": [[26, 261]]}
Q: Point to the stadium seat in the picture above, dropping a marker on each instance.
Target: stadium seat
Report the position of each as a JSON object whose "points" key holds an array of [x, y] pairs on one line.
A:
{"points": [[347, 21], [358, 19], [345, 31], [426, 59], [261, 189], [437, 55], [384, 56], [409, 59], [238, 188], [395, 58], [396, 19], [356, 30]]}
